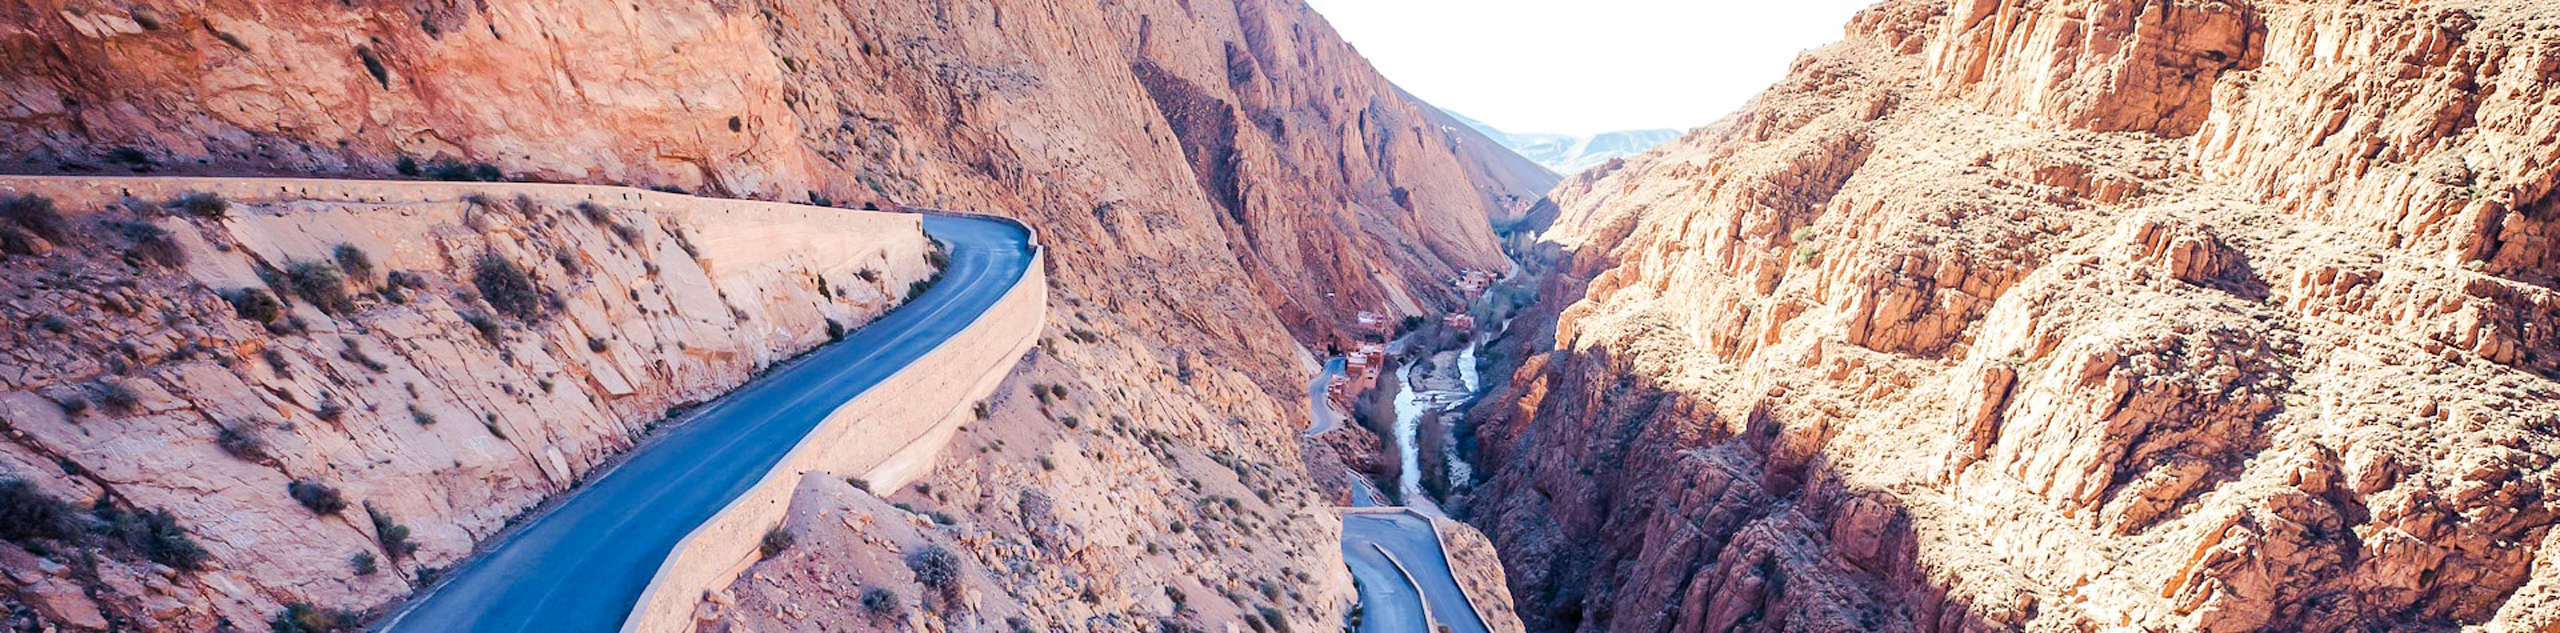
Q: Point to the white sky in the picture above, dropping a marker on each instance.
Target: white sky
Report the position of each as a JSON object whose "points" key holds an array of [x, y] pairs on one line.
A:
{"points": [[1587, 66]]}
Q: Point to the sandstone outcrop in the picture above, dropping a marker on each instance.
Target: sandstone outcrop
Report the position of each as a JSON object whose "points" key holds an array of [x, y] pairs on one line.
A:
{"points": [[1998, 315]]}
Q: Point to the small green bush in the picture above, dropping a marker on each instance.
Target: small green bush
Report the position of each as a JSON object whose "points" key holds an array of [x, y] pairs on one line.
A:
{"points": [[353, 262], [255, 305], [301, 617], [835, 331], [115, 396], [487, 327], [320, 284], [28, 513], [393, 536], [506, 287], [38, 216], [457, 171], [776, 540], [157, 534], [597, 345], [628, 234], [364, 563], [202, 205], [936, 568], [879, 601], [241, 441], [153, 245], [594, 213], [421, 416], [321, 498]]}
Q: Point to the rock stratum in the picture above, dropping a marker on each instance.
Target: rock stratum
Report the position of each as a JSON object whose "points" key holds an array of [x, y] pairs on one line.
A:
{"points": [[2062, 315], [1220, 183]]}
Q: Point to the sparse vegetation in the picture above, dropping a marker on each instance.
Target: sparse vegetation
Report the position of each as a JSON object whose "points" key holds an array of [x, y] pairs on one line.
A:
{"points": [[393, 536], [1279, 622], [594, 213], [506, 287], [354, 353], [835, 331], [301, 617], [157, 535], [936, 568], [628, 234], [255, 305], [457, 171], [153, 245], [242, 441], [487, 327], [37, 215], [879, 601], [202, 205], [777, 540], [320, 284], [364, 563], [421, 416], [28, 513], [597, 345], [115, 396], [321, 498], [353, 262]]}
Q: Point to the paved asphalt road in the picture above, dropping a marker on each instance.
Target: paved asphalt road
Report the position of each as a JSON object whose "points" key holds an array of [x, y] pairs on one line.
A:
{"points": [[1411, 540], [581, 566], [1387, 603], [1318, 406]]}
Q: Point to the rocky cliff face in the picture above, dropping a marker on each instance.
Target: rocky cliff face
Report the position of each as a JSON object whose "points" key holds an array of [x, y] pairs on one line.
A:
{"points": [[291, 380], [1220, 183], [2219, 316]]}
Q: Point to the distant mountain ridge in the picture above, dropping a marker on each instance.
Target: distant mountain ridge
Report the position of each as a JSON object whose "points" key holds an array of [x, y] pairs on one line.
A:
{"points": [[1567, 154]]}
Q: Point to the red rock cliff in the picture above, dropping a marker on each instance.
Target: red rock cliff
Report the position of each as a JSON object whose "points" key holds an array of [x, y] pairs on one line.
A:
{"points": [[2102, 314]]}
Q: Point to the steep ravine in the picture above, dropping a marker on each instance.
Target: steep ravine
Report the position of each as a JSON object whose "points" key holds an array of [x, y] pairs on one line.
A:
{"points": [[2078, 315]]}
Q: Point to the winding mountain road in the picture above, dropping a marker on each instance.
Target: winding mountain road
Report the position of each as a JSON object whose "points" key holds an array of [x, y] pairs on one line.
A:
{"points": [[1326, 418], [580, 567]]}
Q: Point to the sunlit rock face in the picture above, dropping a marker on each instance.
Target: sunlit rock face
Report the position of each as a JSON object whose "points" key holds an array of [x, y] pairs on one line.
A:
{"points": [[1220, 185], [2220, 316]]}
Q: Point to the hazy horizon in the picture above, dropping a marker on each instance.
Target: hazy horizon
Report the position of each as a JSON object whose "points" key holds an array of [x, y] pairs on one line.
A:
{"points": [[1479, 57]]}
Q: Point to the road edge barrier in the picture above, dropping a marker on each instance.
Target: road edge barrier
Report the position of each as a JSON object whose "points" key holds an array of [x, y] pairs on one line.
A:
{"points": [[716, 552], [1429, 622], [1450, 559]]}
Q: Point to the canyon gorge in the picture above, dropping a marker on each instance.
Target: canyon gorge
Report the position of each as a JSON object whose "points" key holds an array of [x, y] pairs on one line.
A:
{"points": [[2060, 315], [2086, 315]]}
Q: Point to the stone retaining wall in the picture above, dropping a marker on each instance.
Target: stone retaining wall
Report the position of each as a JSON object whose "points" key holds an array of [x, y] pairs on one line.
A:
{"points": [[889, 435]]}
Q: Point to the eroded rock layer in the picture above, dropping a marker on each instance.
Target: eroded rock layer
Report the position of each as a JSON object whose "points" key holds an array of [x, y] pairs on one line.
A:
{"points": [[2078, 315]]}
